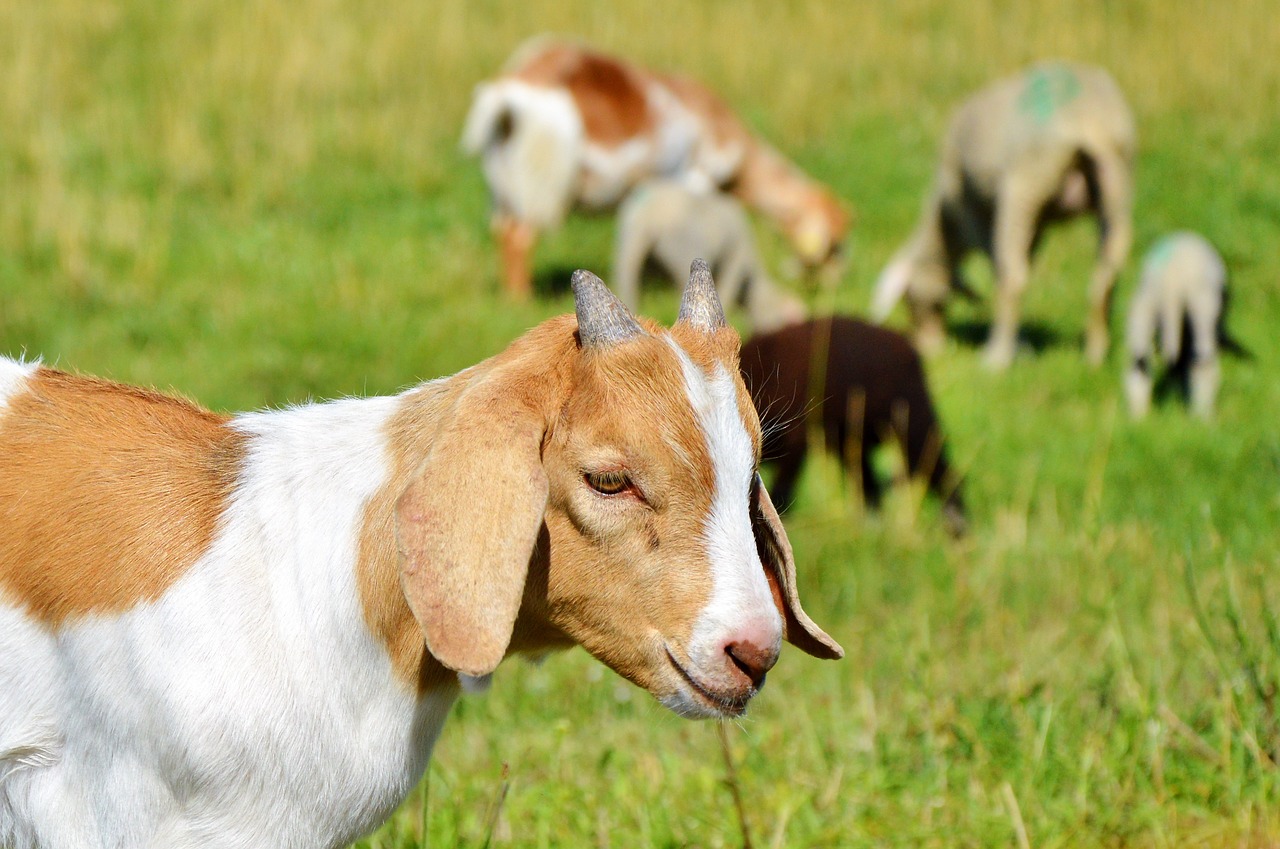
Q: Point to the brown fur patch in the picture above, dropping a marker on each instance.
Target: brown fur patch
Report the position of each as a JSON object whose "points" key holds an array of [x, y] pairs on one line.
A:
{"points": [[724, 125], [771, 183], [108, 493], [609, 93], [648, 381]]}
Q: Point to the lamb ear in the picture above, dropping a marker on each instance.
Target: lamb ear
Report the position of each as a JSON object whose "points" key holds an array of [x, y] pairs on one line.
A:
{"points": [[890, 287], [467, 524], [780, 569]]}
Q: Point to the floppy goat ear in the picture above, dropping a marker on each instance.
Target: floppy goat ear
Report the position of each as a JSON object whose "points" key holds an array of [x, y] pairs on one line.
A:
{"points": [[780, 569], [467, 524]]}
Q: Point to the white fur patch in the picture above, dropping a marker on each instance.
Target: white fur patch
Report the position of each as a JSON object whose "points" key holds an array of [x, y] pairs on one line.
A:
{"points": [[247, 706], [13, 378], [609, 171], [532, 170], [741, 601], [34, 748]]}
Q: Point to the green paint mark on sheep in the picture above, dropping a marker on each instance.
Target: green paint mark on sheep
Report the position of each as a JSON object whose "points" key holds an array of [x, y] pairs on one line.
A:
{"points": [[1048, 89], [1161, 251]]}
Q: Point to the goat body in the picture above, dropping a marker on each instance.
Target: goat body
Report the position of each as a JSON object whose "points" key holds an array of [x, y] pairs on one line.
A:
{"points": [[248, 631], [1053, 142], [667, 221], [563, 126], [1183, 286], [861, 383]]}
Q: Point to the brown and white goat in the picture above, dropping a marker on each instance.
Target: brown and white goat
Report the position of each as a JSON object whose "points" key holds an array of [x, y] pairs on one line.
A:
{"points": [[248, 631], [564, 126], [1053, 142]]}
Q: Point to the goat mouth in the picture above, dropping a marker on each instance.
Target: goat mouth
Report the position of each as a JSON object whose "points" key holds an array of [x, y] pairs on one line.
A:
{"points": [[727, 704]]}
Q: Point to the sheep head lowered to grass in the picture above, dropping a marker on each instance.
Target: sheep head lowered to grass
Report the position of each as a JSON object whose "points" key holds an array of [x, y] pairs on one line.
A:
{"points": [[1054, 142]]}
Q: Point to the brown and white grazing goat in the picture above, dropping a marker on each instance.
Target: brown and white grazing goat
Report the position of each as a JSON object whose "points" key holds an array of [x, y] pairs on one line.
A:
{"points": [[564, 126], [1053, 142], [864, 383], [248, 631]]}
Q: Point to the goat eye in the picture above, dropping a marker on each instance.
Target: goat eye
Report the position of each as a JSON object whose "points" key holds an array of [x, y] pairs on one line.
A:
{"points": [[608, 483]]}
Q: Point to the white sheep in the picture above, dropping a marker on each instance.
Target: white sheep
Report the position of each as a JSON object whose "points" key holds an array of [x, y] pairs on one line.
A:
{"points": [[1050, 143], [563, 126], [1183, 287], [673, 224], [247, 632]]}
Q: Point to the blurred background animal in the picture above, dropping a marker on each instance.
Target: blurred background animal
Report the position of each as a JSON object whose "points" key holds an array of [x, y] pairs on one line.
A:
{"points": [[1051, 143], [1181, 298], [668, 223], [863, 383], [563, 126]]}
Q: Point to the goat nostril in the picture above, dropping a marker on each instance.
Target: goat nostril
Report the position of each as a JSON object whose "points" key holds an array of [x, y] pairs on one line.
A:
{"points": [[752, 661]]}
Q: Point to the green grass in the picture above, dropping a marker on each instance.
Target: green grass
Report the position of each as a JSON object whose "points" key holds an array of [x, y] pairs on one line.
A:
{"points": [[258, 203]]}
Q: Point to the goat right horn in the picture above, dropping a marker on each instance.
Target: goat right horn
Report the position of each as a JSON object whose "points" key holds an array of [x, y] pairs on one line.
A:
{"points": [[602, 318], [700, 305]]}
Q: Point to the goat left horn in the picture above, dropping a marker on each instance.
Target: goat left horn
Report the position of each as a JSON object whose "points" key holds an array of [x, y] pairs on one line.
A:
{"points": [[700, 305], [602, 318]]}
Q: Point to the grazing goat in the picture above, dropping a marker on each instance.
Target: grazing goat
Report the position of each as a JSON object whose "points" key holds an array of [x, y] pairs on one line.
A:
{"points": [[1183, 286], [563, 126], [1051, 143], [864, 383], [248, 631], [673, 224]]}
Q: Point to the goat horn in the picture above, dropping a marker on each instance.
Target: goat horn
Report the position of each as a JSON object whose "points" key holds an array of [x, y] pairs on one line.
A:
{"points": [[700, 305], [602, 319]]}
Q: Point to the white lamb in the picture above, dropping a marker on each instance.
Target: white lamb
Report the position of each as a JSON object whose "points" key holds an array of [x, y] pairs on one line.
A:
{"points": [[1183, 287], [673, 224]]}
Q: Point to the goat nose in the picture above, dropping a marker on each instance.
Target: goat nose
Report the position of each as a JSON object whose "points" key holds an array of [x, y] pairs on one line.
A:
{"points": [[753, 661]]}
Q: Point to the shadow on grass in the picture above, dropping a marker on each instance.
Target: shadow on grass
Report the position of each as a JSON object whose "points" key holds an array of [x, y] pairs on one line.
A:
{"points": [[551, 281], [1036, 335]]}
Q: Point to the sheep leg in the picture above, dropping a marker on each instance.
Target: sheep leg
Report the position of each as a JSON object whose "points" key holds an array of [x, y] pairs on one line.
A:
{"points": [[1115, 233], [632, 247], [1015, 224], [1204, 379], [1204, 374], [734, 279], [515, 243], [1139, 339], [1138, 385]]}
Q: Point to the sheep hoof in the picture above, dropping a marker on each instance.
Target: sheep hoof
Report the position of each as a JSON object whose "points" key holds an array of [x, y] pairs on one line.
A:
{"points": [[930, 339], [998, 356], [1095, 350]]}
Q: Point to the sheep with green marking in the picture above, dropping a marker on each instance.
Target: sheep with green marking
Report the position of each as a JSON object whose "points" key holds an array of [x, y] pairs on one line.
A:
{"points": [[1180, 298], [1053, 142]]}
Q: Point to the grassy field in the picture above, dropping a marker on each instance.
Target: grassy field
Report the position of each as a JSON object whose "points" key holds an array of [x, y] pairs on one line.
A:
{"points": [[257, 203]]}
